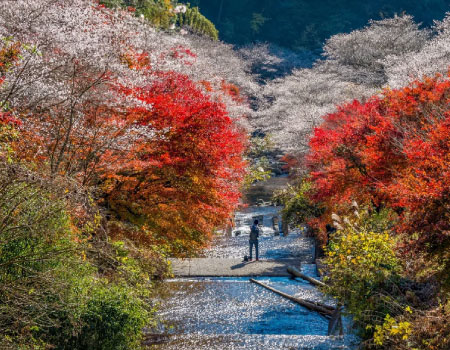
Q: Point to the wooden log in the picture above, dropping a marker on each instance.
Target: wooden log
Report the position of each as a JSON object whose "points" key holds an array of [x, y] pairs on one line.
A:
{"points": [[329, 307], [294, 271], [325, 311]]}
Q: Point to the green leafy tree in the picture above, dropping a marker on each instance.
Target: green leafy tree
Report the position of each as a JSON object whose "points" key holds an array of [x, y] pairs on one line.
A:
{"points": [[168, 14], [257, 156], [197, 23], [298, 208]]}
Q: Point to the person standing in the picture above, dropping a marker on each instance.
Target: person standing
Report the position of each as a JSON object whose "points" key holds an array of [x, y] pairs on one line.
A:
{"points": [[254, 234]]}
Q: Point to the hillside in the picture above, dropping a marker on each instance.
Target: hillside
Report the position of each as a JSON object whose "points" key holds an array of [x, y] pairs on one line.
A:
{"points": [[305, 24]]}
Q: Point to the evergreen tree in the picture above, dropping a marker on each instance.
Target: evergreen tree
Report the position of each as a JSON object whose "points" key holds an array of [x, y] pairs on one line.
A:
{"points": [[168, 14]]}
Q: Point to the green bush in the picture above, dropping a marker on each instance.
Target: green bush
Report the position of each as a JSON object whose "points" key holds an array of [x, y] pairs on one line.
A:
{"points": [[363, 269], [198, 23], [53, 293], [109, 313], [35, 247], [298, 208], [257, 156], [112, 319]]}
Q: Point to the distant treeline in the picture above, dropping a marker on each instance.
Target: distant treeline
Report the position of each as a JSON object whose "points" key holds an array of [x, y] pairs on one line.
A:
{"points": [[305, 24]]}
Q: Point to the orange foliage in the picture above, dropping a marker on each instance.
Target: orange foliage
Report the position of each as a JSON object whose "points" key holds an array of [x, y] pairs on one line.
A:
{"points": [[232, 91]]}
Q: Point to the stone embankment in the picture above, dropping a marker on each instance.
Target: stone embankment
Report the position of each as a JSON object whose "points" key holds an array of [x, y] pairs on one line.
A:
{"points": [[219, 267], [226, 258]]}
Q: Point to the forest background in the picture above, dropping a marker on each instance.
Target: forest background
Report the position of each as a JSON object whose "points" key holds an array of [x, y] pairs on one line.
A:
{"points": [[303, 25]]}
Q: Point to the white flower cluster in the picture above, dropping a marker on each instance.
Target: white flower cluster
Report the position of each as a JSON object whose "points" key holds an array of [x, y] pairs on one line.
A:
{"points": [[180, 9]]}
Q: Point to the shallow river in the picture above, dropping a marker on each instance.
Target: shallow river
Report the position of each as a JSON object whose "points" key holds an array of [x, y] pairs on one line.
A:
{"points": [[232, 313]]}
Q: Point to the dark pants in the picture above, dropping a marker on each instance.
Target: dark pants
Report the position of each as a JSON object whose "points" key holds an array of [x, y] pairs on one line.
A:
{"points": [[254, 243]]}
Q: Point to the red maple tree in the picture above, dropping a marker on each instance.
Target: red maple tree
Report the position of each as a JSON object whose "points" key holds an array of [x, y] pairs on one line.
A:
{"points": [[167, 166], [392, 151], [184, 170]]}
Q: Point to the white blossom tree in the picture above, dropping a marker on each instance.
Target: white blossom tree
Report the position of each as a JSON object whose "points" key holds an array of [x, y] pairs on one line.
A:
{"points": [[353, 67], [299, 102], [433, 58], [65, 35], [76, 56], [358, 56]]}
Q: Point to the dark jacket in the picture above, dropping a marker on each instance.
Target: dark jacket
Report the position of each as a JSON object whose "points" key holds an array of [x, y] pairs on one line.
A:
{"points": [[254, 232]]}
